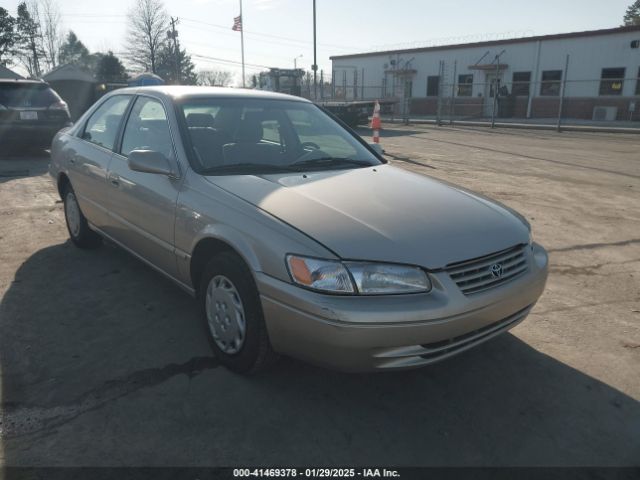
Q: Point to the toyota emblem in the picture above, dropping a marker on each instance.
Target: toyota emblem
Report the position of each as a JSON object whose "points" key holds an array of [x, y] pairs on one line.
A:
{"points": [[496, 270]]}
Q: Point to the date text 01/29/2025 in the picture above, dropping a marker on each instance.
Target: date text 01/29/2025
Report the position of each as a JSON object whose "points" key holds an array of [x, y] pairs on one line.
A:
{"points": [[315, 472]]}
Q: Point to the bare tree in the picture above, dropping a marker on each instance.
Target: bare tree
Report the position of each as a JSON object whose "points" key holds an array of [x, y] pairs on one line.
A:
{"points": [[215, 78], [51, 28], [29, 44], [148, 24]]}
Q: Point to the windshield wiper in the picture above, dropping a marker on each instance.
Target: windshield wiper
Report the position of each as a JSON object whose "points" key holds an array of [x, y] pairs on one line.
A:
{"points": [[330, 162], [247, 167]]}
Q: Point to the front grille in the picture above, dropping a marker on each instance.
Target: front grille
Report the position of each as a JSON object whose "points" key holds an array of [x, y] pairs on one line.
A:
{"points": [[480, 274]]}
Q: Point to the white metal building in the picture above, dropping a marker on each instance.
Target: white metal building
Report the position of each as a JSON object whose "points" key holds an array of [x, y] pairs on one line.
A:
{"points": [[602, 78]]}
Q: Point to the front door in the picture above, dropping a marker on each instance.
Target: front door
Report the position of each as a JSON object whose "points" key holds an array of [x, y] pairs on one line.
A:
{"points": [[143, 204]]}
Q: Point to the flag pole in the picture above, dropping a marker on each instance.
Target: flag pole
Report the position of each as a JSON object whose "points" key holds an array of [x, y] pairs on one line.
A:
{"points": [[242, 43]]}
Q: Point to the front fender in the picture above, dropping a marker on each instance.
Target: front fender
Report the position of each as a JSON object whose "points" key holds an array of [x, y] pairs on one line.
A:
{"points": [[235, 239]]}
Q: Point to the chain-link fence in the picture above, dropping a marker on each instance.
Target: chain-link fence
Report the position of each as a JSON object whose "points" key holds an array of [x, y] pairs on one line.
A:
{"points": [[603, 101], [575, 101], [322, 89]]}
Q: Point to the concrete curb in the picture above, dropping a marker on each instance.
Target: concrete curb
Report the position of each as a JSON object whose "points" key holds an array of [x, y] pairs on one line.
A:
{"points": [[530, 126]]}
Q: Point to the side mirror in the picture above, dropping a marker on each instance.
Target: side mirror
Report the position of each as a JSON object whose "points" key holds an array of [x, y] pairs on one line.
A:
{"points": [[377, 147], [150, 161]]}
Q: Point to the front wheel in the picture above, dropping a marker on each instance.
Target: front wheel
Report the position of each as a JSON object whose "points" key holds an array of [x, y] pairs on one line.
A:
{"points": [[233, 316], [81, 235]]}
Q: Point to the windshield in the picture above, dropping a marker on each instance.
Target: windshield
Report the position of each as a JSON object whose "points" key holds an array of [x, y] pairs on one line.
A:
{"points": [[237, 135]]}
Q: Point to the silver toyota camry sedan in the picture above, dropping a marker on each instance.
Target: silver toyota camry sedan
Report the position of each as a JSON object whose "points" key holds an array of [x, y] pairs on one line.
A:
{"points": [[294, 235]]}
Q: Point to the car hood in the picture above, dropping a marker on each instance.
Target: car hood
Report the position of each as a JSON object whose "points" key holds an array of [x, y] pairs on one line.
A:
{"points": [[383, 214]]}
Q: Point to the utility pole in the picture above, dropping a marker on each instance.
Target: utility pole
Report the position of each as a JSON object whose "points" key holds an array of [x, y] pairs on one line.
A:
{"points": [[563, 93], [314, 67], [496, 88], [242, 42], [176, 51]]}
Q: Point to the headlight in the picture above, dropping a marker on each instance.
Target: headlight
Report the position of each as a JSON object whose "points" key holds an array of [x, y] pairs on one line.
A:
{"points": [[380, 278], [369, 278], [325, 275]]}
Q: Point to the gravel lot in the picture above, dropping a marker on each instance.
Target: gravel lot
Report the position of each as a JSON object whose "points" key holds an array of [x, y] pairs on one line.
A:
{"points": [[102, 361]]}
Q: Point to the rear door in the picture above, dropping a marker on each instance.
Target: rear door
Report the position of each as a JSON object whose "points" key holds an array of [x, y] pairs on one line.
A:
{"points": [[143, 204], [89, 155]]}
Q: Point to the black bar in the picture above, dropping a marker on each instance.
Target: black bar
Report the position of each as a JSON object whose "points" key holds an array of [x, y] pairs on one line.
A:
{"points": [[421, 473]]}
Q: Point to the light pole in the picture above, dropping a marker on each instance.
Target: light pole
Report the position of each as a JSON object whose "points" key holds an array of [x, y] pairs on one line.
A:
{"points": [[295, 61], [314, 67]]}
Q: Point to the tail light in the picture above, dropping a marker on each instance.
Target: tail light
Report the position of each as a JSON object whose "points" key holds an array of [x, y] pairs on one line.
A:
{"points": [[60, 106]]}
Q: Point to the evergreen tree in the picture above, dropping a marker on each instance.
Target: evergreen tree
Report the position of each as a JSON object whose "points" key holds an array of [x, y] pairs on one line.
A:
{"points": [[7, 35], [109, 69], [74, 51], [632, 16], [168, 62]]}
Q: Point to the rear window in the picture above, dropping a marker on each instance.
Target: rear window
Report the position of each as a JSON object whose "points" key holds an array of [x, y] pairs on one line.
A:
{"points": [[27, 95]]}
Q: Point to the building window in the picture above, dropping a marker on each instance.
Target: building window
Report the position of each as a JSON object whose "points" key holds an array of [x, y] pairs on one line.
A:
{"points": [[612, 81], [465, 85], [433, 85], [408, 88], [550, 85], [638, 83], [521, 83]]}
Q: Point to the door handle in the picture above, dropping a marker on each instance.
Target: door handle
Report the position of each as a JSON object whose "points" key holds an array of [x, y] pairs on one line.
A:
{"points": [[72, 160], [114, 179]]}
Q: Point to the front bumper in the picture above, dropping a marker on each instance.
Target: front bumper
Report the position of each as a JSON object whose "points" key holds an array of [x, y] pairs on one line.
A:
{"points": [[365, 333]]}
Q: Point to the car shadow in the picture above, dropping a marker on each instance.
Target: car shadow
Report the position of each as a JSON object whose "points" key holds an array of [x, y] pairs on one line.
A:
{"points": [[104, 362], [23, 163]]}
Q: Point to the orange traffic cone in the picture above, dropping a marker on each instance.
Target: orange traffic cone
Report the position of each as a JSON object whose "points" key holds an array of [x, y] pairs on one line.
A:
{"points": [[376, 124]]}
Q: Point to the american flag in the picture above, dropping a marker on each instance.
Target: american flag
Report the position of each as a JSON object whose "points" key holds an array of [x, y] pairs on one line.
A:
{"points": [[237, 24]]}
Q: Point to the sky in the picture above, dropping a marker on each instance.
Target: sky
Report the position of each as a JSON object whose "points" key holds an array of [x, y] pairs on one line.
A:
{"points": [[277, 31]]}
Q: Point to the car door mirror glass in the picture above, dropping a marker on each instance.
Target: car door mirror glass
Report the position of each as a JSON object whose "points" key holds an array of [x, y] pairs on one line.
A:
{"points": [[150, 161]]}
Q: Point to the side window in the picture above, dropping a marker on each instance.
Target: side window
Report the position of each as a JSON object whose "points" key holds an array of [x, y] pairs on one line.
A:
{"points": [[271, 131], [147, 128], [102, 127]]}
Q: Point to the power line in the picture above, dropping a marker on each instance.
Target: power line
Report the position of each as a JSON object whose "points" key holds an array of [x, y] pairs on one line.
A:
{"points": [[290, 40], [190, 43], [224, 60]]}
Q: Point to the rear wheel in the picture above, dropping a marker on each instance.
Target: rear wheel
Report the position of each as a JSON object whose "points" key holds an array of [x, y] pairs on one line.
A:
{"points": [[81, 235], [233, 315]]}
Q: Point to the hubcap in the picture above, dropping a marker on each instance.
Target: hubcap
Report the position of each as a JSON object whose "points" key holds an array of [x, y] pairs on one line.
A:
{"points": [[225, 314], [72, 212]]}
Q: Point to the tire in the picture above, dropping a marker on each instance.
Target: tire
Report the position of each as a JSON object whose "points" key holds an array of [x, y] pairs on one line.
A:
{"points": [[79, 232], [227, 289]]}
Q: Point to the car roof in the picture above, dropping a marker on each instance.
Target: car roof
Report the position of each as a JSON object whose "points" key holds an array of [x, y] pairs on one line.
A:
{"points": [[174, 92], [22, 81]]}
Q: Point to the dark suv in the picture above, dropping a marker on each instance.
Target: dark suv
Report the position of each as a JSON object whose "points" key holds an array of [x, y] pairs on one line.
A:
{"points": [[31, 113]]}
